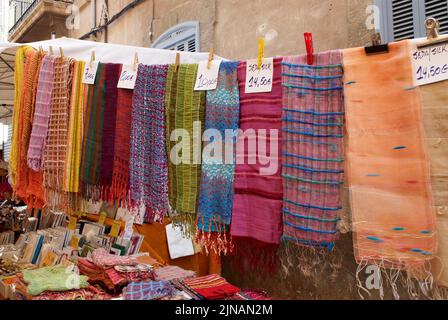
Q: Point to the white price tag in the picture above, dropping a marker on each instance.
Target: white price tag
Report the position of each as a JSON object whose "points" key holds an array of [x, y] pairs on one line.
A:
{"points": [[259, 80], [128, 77], [207, 79], [430, 64], [90, 72]]}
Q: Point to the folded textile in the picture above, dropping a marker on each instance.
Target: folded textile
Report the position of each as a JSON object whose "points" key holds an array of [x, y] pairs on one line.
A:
{"points": [[313, 148], [211, 287], [89, 293], [102, 258], [185, 109], [41, 114], [148, 165], [98, 275], [148, 290], [217, 172], [387, 164], [171, 273], [58, 278]]}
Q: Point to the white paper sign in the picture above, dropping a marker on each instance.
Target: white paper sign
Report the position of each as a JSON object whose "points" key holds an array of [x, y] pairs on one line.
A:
{"points": [[90, 72], [178, 245], [127, 77], [207, 79], [259, 80], [430, 64]]}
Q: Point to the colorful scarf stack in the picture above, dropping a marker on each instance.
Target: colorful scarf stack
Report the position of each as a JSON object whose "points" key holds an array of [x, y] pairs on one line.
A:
{"points": [[92, 137], [148, 163], [41, 114], [169, 273], [148, 290], [211, 287], [217, 190], [33, 196], [120, 172], [75, 129], [113, 72], [313, 148], [257, 205], [387, 165], [57, 138], [185, 108]]}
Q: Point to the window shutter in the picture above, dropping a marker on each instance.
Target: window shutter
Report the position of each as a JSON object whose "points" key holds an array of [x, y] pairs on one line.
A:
{"points": [[182, 37], [438, 9], [402, 19]]}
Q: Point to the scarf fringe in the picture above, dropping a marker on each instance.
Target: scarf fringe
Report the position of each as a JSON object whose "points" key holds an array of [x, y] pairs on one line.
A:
{"points": [[216, 237], [186, 222]]}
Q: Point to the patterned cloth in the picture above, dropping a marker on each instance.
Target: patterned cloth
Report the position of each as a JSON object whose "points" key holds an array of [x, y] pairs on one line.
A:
{"points": [[57, 139], [388, 171], [89, 293], [313, 148], [217, 178], [257, 205], [92, 137], [75, 130], [171, 273], [102, 258], [184, 109], [148, 290], [41, 114], [120, 174], [211, 287], [148, 163]]}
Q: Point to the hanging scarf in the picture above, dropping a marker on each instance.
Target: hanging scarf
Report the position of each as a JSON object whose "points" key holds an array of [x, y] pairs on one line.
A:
{"points": [[313, 148], [217, 177], [184, 108], [41, 114], [30, 80], [148, 163], [92, 137], [387, 163], [18, 91], [109, 120], [120, 175], [56, 144], [257, 205], [75, 130]]}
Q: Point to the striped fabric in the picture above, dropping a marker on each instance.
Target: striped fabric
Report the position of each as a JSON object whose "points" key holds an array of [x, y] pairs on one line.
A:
{"points": [[41, 114], [211, 287], [148, 290], [184, 108], [148, 166], [313, 148]]}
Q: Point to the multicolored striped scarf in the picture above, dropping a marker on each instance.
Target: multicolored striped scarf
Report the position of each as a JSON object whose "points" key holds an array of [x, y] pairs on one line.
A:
{"points": [[313, 148], [257, 206], [148, 165], [388, 169], [217, 178], [120, 175], [113, 72], [92, 137], [41, 114], [75, 129], [57, 138], [185, 108]]}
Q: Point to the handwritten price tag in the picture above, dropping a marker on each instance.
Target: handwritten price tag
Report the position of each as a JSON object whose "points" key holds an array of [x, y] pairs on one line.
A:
{"points": [[90, 73], [72, 223], [115, 230], [430, 64], [207, 79], [259, 79], [127, 77]]}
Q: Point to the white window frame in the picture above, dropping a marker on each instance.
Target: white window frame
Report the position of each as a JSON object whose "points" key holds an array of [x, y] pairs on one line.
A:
{"points": [[179, 34]]}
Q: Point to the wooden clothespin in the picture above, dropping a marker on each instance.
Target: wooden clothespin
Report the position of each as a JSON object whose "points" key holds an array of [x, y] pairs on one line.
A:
{"points": [[260, 52], [309, 47], [177, 63], [377, 47], [61, 52], [211, 56], [51, 50], [432, 26], [136, 61], [92, 58]]}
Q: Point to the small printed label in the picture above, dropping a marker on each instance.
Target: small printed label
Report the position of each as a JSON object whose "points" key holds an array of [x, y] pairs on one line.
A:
{"points": [[259, 79], [90, 73], [115, 230], [72, 223], [207, 79], [128, 77]]}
